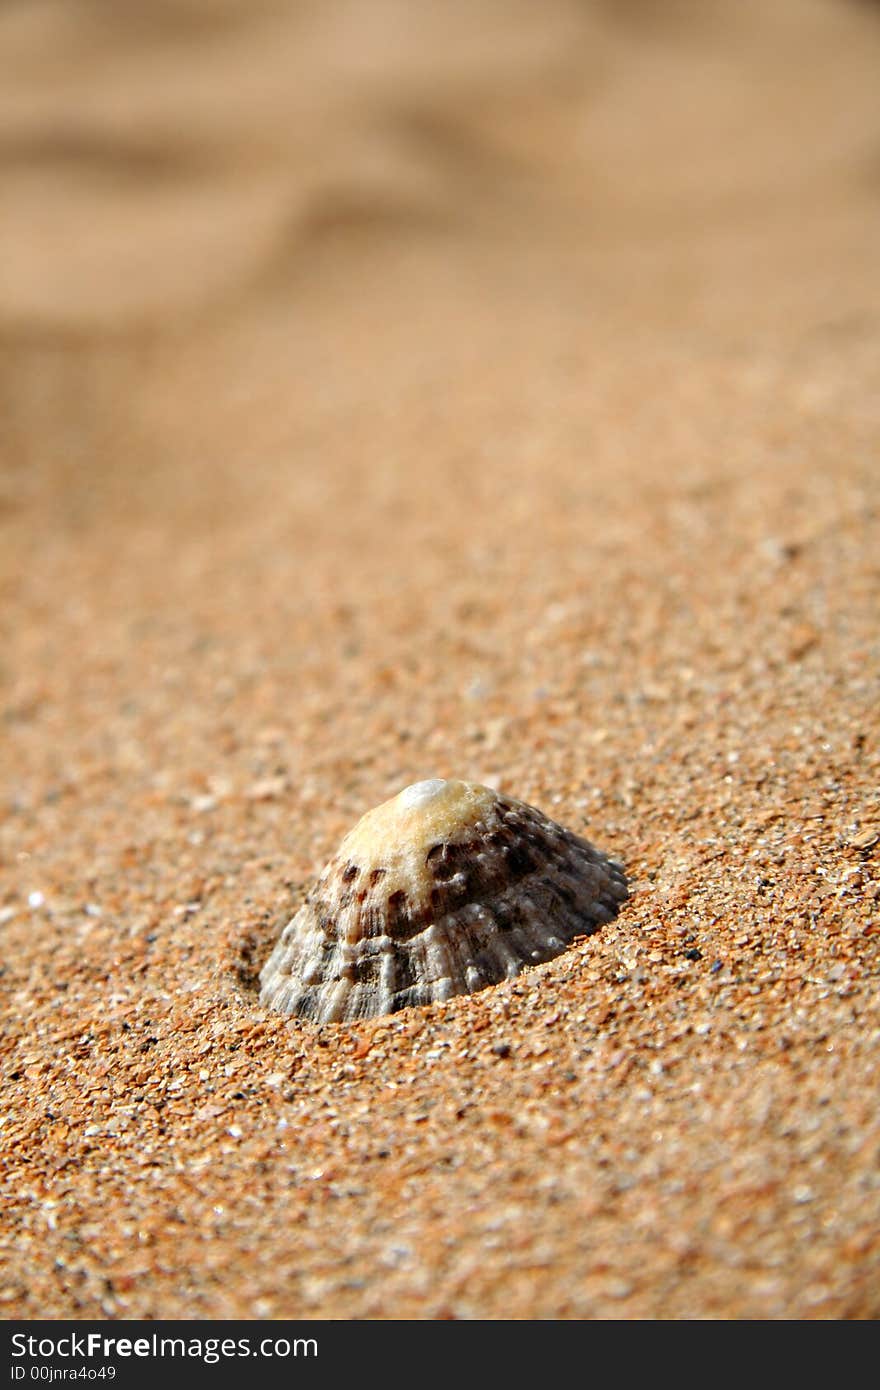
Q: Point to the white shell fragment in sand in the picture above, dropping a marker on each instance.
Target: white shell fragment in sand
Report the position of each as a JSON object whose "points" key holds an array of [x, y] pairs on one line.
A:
{"points": [[444, 889]]}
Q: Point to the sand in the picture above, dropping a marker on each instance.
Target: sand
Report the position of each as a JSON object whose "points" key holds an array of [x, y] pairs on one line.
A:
{"points": [[397, 391]]}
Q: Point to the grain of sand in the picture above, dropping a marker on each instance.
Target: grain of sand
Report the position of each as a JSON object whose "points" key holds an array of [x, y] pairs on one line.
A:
{"points": [[394, 391]]}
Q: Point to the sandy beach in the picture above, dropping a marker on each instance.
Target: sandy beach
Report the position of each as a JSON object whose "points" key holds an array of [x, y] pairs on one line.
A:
{"points": [[396, 391]]}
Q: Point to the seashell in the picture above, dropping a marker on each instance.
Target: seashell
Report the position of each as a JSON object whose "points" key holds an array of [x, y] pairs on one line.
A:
{"points": [[444, 889]]}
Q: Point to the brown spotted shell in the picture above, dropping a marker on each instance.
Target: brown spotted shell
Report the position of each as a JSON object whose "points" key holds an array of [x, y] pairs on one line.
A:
{"points": [[444, 889]]}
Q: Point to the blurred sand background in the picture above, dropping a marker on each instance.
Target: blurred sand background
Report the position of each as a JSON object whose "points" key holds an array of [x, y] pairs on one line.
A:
{"points": [[392, 390]]}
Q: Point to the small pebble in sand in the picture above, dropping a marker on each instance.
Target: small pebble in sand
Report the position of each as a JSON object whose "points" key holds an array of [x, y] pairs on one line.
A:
{"points": [[443, 890], [865, 839]]}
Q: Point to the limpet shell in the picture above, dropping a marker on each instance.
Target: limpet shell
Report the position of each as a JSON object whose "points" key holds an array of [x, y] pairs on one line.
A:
{"points": [[444, 889]]}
